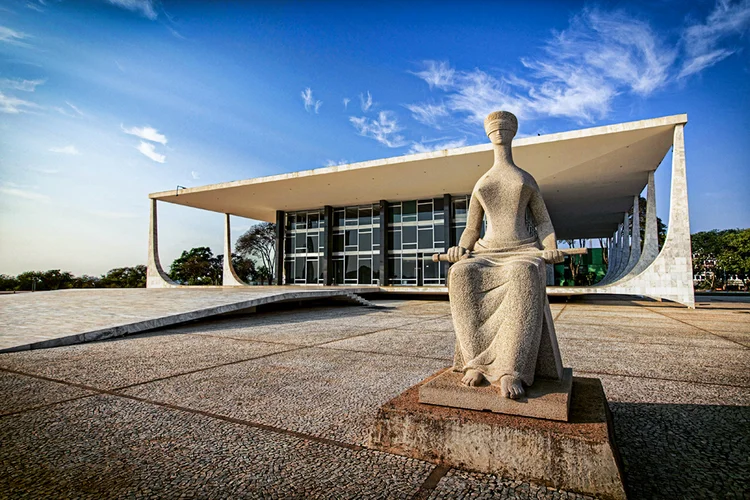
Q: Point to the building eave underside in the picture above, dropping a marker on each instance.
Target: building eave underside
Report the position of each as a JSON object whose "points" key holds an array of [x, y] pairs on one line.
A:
{"points": [[588, 178]]}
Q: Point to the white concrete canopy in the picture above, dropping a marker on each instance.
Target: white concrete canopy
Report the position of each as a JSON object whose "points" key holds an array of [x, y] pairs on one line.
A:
{"points": [[588, 178]]}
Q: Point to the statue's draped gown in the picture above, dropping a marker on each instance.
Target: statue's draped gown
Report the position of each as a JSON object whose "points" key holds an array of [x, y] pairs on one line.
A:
{"points": [[498, 295]]}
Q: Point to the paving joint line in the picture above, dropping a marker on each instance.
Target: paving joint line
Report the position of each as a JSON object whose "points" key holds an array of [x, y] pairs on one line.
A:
{"points": [[431, 482], [247, 423], [565, 305], [413, 356], [698, 327], [625, 341], [41, 407], [198, 370], [659, 378]]}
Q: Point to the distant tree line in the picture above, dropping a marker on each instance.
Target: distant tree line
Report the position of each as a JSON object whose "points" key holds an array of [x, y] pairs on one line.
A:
{"points": [[253, 262], [55, 279], [721, 259]]}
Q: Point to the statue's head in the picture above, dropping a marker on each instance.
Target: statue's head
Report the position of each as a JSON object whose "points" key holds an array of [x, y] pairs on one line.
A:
{"points": [[501, 127]]}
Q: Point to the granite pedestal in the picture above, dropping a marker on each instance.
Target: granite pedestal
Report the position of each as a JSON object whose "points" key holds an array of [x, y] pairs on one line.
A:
{"points": [[578, 455], [546, 398]]}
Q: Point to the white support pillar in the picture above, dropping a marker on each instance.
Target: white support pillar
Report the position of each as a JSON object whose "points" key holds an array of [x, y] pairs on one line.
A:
{"points": [[229, 276], [670, 275], [622, 261], [614, 258], [635, 238], [651, 238], [155, 275]]}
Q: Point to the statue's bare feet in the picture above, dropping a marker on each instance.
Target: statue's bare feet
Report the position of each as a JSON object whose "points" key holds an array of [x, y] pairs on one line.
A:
{"points": [[511, 387], [473, 378]]}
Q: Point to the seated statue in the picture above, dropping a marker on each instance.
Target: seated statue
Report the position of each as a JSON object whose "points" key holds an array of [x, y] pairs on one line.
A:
{"points": [[497, 284]]}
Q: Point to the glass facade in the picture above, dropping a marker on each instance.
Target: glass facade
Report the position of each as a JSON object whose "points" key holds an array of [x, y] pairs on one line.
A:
{"points": [[416, 230], [356, 245], [304, 246]]}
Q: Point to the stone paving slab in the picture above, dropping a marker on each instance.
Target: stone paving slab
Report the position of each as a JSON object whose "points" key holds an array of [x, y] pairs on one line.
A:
{"points": [[647, 390], [423, 343], [65, 317], [311, 332], [133, 449], [686, 363], [323, 392], [21, 392], [134, 360], [686, 336]]}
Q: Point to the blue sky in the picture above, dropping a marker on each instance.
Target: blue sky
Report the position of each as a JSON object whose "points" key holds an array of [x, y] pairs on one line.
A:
{"points": [[103, 102]]}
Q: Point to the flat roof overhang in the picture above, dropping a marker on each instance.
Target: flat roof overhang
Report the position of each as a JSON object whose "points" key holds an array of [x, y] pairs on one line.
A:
{"points": [[588, 177]]}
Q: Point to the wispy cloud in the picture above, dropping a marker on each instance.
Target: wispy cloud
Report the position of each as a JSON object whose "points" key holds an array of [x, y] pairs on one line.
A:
{"points": [[366, 102], [700, 41], [34, 6], [195, 175], [311, 105], [437, 74], [19, 84], [11, 36], [425, 146], [429, 114], [384, 129], [13, 105], [68, 150], [24, 193], [582, 69], [146, 132], [147, 149], [334, 163], [142, 7], [74, 108], [346, 102]]}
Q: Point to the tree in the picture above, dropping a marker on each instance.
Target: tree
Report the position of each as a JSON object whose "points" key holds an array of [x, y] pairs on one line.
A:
{"points": [[718, 255], [575, 261], [661, 227], [8, 282], [260, 242], [124, 277], [245, 268], [198, 266]]}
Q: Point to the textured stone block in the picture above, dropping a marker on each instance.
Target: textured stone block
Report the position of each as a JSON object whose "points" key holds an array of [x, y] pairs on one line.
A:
{"points": [[578, 455], [549, 399]]}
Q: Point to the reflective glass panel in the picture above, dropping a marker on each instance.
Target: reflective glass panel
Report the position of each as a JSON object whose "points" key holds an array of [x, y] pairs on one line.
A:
{"points": [[365, 271], [365, 242], [351, 267], [338, 242], [365, 216]]}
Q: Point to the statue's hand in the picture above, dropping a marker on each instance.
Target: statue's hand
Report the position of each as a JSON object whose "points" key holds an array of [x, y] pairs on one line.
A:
{"points": [[553, 256], [456, 253]]}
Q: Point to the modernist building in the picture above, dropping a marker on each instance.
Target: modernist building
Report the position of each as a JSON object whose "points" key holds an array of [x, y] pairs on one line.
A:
{"points": [[379, 222]]}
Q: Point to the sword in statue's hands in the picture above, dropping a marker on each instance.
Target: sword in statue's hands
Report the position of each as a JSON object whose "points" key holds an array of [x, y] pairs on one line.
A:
{"points": [[549, 256]]}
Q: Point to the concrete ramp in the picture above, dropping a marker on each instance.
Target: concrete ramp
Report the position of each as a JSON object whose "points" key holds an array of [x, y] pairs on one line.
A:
{"points": [[65, 317]]}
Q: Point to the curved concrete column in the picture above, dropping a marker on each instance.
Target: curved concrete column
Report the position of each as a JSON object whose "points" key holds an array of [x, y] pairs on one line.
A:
{"points": [[229, 275], [624, 257], [155, 275], [610, 256], [670, 275], [651, 239], [635, 240], [614, 258]]}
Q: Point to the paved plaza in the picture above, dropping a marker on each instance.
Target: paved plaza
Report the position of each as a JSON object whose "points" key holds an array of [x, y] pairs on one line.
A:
{"points": [[279, 404]]}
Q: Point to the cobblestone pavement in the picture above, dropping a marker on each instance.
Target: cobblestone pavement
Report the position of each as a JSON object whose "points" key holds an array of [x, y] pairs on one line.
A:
{"points": [[279, 404]]}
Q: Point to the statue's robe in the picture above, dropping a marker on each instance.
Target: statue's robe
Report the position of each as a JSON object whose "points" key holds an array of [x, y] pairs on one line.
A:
{"points": [[501, 314]]}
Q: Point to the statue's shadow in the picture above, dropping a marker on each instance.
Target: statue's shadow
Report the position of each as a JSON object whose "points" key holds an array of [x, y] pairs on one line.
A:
{"points": [[684, 451]]}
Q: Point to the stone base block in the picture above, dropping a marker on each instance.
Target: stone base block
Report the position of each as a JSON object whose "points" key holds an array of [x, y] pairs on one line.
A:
{"points": [[579, 455], [548, 399]]}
